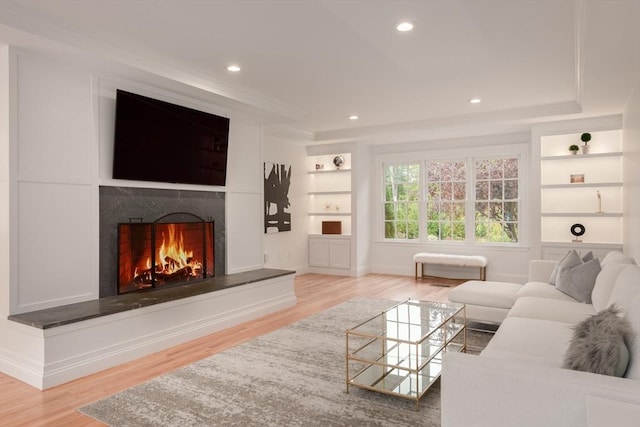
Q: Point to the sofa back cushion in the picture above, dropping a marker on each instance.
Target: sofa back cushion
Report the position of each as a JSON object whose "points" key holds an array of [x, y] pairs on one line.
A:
{"points": [[627, 286], [617, 256], [605, 283], [633, 341]]}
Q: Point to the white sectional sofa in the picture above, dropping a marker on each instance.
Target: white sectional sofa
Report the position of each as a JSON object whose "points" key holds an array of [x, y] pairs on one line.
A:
{"points": [[518, 379]]}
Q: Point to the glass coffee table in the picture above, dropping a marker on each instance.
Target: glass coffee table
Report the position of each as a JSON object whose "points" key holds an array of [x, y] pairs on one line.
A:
{"points": [[399, 351]]}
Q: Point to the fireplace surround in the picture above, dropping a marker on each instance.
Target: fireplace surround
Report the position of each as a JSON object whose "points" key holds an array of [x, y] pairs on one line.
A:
{"points": [[119, 205]]}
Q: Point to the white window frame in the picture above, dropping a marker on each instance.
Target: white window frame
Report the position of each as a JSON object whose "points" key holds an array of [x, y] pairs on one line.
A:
{"points": [[516, 150]]}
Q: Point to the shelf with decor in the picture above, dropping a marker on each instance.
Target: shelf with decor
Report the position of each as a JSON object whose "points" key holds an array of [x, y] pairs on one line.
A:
{"points": [[581, 194]]}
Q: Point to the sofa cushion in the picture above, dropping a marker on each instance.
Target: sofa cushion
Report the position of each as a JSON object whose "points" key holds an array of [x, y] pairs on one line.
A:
{"points": [[617, 257], [551, 309], [605, 283], [542, 290], [533, 338], [627, 286], [633, 341], [577, 281], [485, 293]]}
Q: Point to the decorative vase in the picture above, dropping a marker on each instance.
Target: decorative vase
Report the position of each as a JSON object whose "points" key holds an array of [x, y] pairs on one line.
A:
{"points": [[574, 152], [585, 149]]}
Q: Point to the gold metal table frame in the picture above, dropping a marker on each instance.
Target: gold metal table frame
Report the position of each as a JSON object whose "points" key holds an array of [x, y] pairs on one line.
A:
{"points": [[399, 351]]}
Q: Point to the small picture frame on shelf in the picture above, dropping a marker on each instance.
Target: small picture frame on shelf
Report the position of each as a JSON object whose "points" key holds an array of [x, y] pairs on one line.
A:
{"points": [[577, 178], [319, 166]]}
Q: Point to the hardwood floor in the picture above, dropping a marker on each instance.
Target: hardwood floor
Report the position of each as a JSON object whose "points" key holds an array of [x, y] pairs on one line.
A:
{"points": [[23, 405]]}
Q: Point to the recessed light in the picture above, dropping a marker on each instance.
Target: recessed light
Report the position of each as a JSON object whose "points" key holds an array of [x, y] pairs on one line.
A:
{"points": [[404, 26], [233, 68], [475, 101], [354, 117]]}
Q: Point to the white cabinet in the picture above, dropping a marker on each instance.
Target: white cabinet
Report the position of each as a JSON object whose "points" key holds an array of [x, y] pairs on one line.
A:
{"points": [[330, 252], [581, 191]]}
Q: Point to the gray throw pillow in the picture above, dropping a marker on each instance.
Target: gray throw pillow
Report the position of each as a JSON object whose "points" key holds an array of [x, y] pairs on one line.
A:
{"points": [[570, 257], [578, 280], [598, 344]]}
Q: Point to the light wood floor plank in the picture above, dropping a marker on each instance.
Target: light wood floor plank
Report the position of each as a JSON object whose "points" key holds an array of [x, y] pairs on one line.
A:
{"points": [[23, 405]]}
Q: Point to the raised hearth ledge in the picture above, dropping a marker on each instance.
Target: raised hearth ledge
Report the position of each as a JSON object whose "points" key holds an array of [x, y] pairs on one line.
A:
{"points": [[71, 313], [50, 347]]}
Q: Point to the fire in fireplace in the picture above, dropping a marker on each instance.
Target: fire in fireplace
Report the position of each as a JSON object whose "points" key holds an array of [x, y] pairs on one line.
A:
{"points": [[163, 253]]}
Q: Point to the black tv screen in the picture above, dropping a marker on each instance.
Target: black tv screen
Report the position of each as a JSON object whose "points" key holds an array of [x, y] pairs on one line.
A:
{"points": [[163, 142]]}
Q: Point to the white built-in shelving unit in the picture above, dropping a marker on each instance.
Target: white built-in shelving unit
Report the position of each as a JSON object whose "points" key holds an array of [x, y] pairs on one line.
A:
{"points": [[570, 185], [330, 199]]}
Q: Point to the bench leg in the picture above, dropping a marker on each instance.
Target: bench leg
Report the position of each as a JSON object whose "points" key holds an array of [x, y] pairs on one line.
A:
{"points": [[483, 273]]}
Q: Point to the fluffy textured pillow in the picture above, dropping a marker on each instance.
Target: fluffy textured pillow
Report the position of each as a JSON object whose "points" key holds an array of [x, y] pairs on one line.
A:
{"points": [[570, 257], [598, 344], [577, 280]]}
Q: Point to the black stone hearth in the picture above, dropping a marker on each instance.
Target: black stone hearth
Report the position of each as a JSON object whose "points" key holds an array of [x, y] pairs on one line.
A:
{"points": [[119, 204], [72, 313]]}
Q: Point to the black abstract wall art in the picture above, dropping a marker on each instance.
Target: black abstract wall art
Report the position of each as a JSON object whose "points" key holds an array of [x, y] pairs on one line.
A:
{"points": [[277, 209]]}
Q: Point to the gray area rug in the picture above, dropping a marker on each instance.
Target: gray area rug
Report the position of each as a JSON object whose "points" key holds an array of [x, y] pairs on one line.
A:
{"points": [[294, 376]]}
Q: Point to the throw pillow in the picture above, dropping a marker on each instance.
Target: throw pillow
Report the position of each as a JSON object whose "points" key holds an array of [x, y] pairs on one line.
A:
{"points": [[577, 281], [598, 344], [572, 254]]}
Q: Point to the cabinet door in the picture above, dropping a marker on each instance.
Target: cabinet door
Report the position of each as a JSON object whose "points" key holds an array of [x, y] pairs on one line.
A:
{"points": [[340, 254], [318, 253]]}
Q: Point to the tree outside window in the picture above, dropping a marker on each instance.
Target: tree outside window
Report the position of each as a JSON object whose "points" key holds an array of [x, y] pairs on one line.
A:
{"points": [[446, 199], [402, 201], [496, 201]]}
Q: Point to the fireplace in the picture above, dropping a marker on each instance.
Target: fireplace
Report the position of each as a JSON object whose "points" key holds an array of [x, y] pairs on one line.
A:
{"points": [[168, 251]]}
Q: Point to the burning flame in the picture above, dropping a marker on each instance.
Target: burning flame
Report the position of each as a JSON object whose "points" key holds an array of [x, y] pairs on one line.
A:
{"points": [[172, 251], [171, 258]]}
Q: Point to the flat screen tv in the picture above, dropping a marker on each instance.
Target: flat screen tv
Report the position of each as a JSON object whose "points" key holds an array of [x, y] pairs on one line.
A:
{"points": [[163, 142]]}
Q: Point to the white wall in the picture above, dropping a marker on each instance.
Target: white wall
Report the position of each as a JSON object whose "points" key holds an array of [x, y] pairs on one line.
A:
{"points": [[631, 166], [288, 249], [59, 137], [505, 263]]}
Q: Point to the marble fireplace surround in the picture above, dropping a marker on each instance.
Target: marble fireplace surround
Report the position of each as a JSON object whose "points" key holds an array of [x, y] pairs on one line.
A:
{"points": [[119, 204]]}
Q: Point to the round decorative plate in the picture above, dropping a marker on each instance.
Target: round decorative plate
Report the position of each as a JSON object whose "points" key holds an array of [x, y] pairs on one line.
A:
{"points": [[577, 230]]}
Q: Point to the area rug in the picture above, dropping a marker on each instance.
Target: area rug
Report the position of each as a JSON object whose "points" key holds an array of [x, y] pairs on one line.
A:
{"points": [[294, 376]]}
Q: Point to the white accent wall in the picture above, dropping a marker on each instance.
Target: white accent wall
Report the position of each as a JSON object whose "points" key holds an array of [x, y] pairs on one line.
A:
{"points": [[631, 149], [288, 249], [56, 137]]}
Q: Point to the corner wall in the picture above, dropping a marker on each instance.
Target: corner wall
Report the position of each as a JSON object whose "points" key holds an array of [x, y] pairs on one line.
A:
{"points": [[288, 249], [631, 149]]}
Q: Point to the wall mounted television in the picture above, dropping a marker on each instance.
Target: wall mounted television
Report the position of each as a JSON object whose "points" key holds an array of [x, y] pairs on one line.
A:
{"points": [[163, 142]]}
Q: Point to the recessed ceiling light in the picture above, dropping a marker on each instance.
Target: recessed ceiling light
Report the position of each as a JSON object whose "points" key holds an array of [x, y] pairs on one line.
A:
{"points": [[404, 26], [233, 68], [475, 101], [354, 117]]}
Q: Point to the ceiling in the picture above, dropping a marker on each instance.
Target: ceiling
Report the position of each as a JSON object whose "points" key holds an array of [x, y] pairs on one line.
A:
{"points": [[313, 63]]}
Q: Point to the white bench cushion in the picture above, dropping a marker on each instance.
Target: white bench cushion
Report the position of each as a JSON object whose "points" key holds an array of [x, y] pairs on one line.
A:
{"points": [[448, 259]]}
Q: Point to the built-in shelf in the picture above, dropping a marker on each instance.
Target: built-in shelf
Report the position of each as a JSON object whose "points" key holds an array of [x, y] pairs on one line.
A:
{"points": [[565, 203], [327, 193], [582, 156], [322, 171], [583, 185], [582, 214], [329, 213]]}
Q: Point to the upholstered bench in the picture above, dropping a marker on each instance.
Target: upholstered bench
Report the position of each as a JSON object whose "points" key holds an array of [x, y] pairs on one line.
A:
{"points": [[422, 258], [487, 302]]}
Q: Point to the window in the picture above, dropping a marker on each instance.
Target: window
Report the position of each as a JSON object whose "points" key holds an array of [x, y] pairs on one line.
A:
{"points": [[446, 199], [402, 201], [496, 204], [460, 200]]}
